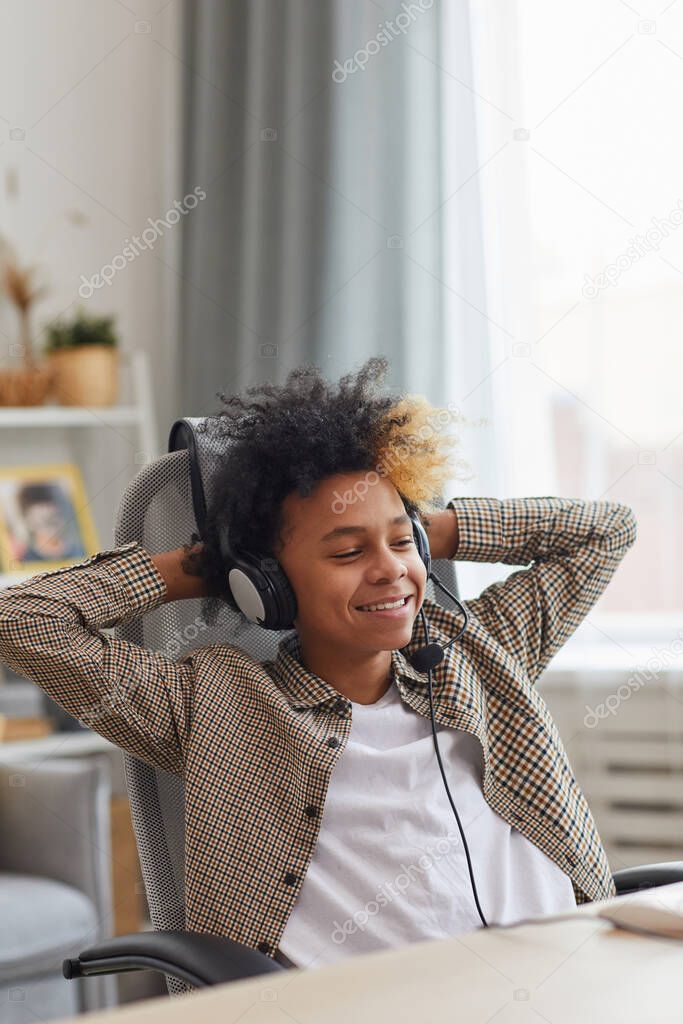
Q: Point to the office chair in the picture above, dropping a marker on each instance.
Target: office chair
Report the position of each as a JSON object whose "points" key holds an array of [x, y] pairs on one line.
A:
{"points": [[160, 508]]}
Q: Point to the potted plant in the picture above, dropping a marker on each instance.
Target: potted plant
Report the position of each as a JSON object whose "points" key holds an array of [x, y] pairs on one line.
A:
{"points": [[83, 354], [29, 383]]}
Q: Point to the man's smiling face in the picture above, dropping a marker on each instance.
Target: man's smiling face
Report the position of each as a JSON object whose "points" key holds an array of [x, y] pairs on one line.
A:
{"points": [[333, 573]]}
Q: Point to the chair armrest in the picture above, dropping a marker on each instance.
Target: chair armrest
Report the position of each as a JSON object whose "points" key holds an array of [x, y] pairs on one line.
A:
{"points": [[193, 957], [648, 876]]}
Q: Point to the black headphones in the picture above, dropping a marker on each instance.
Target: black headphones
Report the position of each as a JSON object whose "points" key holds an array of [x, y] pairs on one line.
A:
{"points": [[261, 590]]}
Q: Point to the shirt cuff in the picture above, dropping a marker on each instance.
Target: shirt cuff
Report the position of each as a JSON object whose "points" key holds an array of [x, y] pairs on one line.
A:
{"points": [[131, 565], [108, 588], [480, 529]]}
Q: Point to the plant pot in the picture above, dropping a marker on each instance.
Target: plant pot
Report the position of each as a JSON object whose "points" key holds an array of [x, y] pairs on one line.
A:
{"points": [[86, 375], [25, 385]]}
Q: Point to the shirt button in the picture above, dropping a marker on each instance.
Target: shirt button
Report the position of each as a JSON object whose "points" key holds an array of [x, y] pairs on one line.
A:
{"points": [[333, 741], [311, 810], [263, 947], [291, 879]]}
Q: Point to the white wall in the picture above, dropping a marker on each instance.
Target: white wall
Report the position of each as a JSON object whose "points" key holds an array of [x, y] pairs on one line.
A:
{"points": [[94, 85]]}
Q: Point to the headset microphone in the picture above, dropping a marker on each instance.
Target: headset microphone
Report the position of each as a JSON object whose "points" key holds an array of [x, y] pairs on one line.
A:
{"points": [[428, 657]]}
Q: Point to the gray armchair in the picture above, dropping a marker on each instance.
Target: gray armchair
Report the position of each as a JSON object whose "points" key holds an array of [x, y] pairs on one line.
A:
{"points": [[55, 886]]}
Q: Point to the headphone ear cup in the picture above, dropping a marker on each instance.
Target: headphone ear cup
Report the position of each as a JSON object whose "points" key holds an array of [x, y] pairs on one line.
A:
{"points": [[422, 543], [271, 590], [258, 586], [283, 598]]}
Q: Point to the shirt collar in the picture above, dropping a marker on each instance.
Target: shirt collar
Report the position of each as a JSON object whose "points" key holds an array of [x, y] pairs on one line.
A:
{"points": [[305, 689]]}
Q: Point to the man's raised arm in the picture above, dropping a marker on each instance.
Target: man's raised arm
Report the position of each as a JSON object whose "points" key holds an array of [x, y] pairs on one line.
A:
{"points": [[50, 625], [574, 548]]}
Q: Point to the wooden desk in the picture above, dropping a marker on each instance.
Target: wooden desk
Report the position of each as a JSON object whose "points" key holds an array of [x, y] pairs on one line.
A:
{"points": [[564, 972]]}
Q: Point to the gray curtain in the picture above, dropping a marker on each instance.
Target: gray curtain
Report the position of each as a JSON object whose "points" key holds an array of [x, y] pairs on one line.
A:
{"points": [[320, 238]]}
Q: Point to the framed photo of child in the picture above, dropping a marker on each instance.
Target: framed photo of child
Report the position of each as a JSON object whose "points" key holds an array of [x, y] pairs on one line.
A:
{"points": [[45, 522]]}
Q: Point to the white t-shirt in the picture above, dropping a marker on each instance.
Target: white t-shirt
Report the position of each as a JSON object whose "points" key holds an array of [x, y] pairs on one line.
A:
{"points": [[389, 867]]}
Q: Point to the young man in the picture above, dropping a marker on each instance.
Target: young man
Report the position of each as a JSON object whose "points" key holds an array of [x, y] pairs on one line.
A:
{"points": [[317, 823]]}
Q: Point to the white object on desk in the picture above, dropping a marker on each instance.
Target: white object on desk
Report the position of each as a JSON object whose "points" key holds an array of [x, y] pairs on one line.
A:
{"points": [[656, 911]]}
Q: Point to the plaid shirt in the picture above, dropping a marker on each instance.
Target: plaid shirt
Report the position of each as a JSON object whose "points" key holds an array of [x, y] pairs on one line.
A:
{"points": [[257, 742]]}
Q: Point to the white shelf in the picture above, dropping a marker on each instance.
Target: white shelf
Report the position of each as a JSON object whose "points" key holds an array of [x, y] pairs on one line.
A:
{"points": [[8, 578], [69, 744], [68, 416], [139, 414]]}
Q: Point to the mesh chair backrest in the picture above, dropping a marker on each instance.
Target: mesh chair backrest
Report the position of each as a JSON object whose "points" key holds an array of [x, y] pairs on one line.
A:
{"points": [[157, 509]]}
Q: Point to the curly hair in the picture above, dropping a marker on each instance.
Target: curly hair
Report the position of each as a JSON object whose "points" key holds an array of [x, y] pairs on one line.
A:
{"points": [[279, 439]]}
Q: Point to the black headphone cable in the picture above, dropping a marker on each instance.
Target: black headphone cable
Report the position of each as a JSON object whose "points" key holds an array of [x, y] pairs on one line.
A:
{"points": [[424, 659]]}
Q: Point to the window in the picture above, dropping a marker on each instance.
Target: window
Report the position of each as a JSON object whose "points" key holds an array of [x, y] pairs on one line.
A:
{"points": [[579, 176]]}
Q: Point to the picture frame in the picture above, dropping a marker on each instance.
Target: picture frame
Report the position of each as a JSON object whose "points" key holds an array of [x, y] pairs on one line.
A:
{"points": [[45, 520]]}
